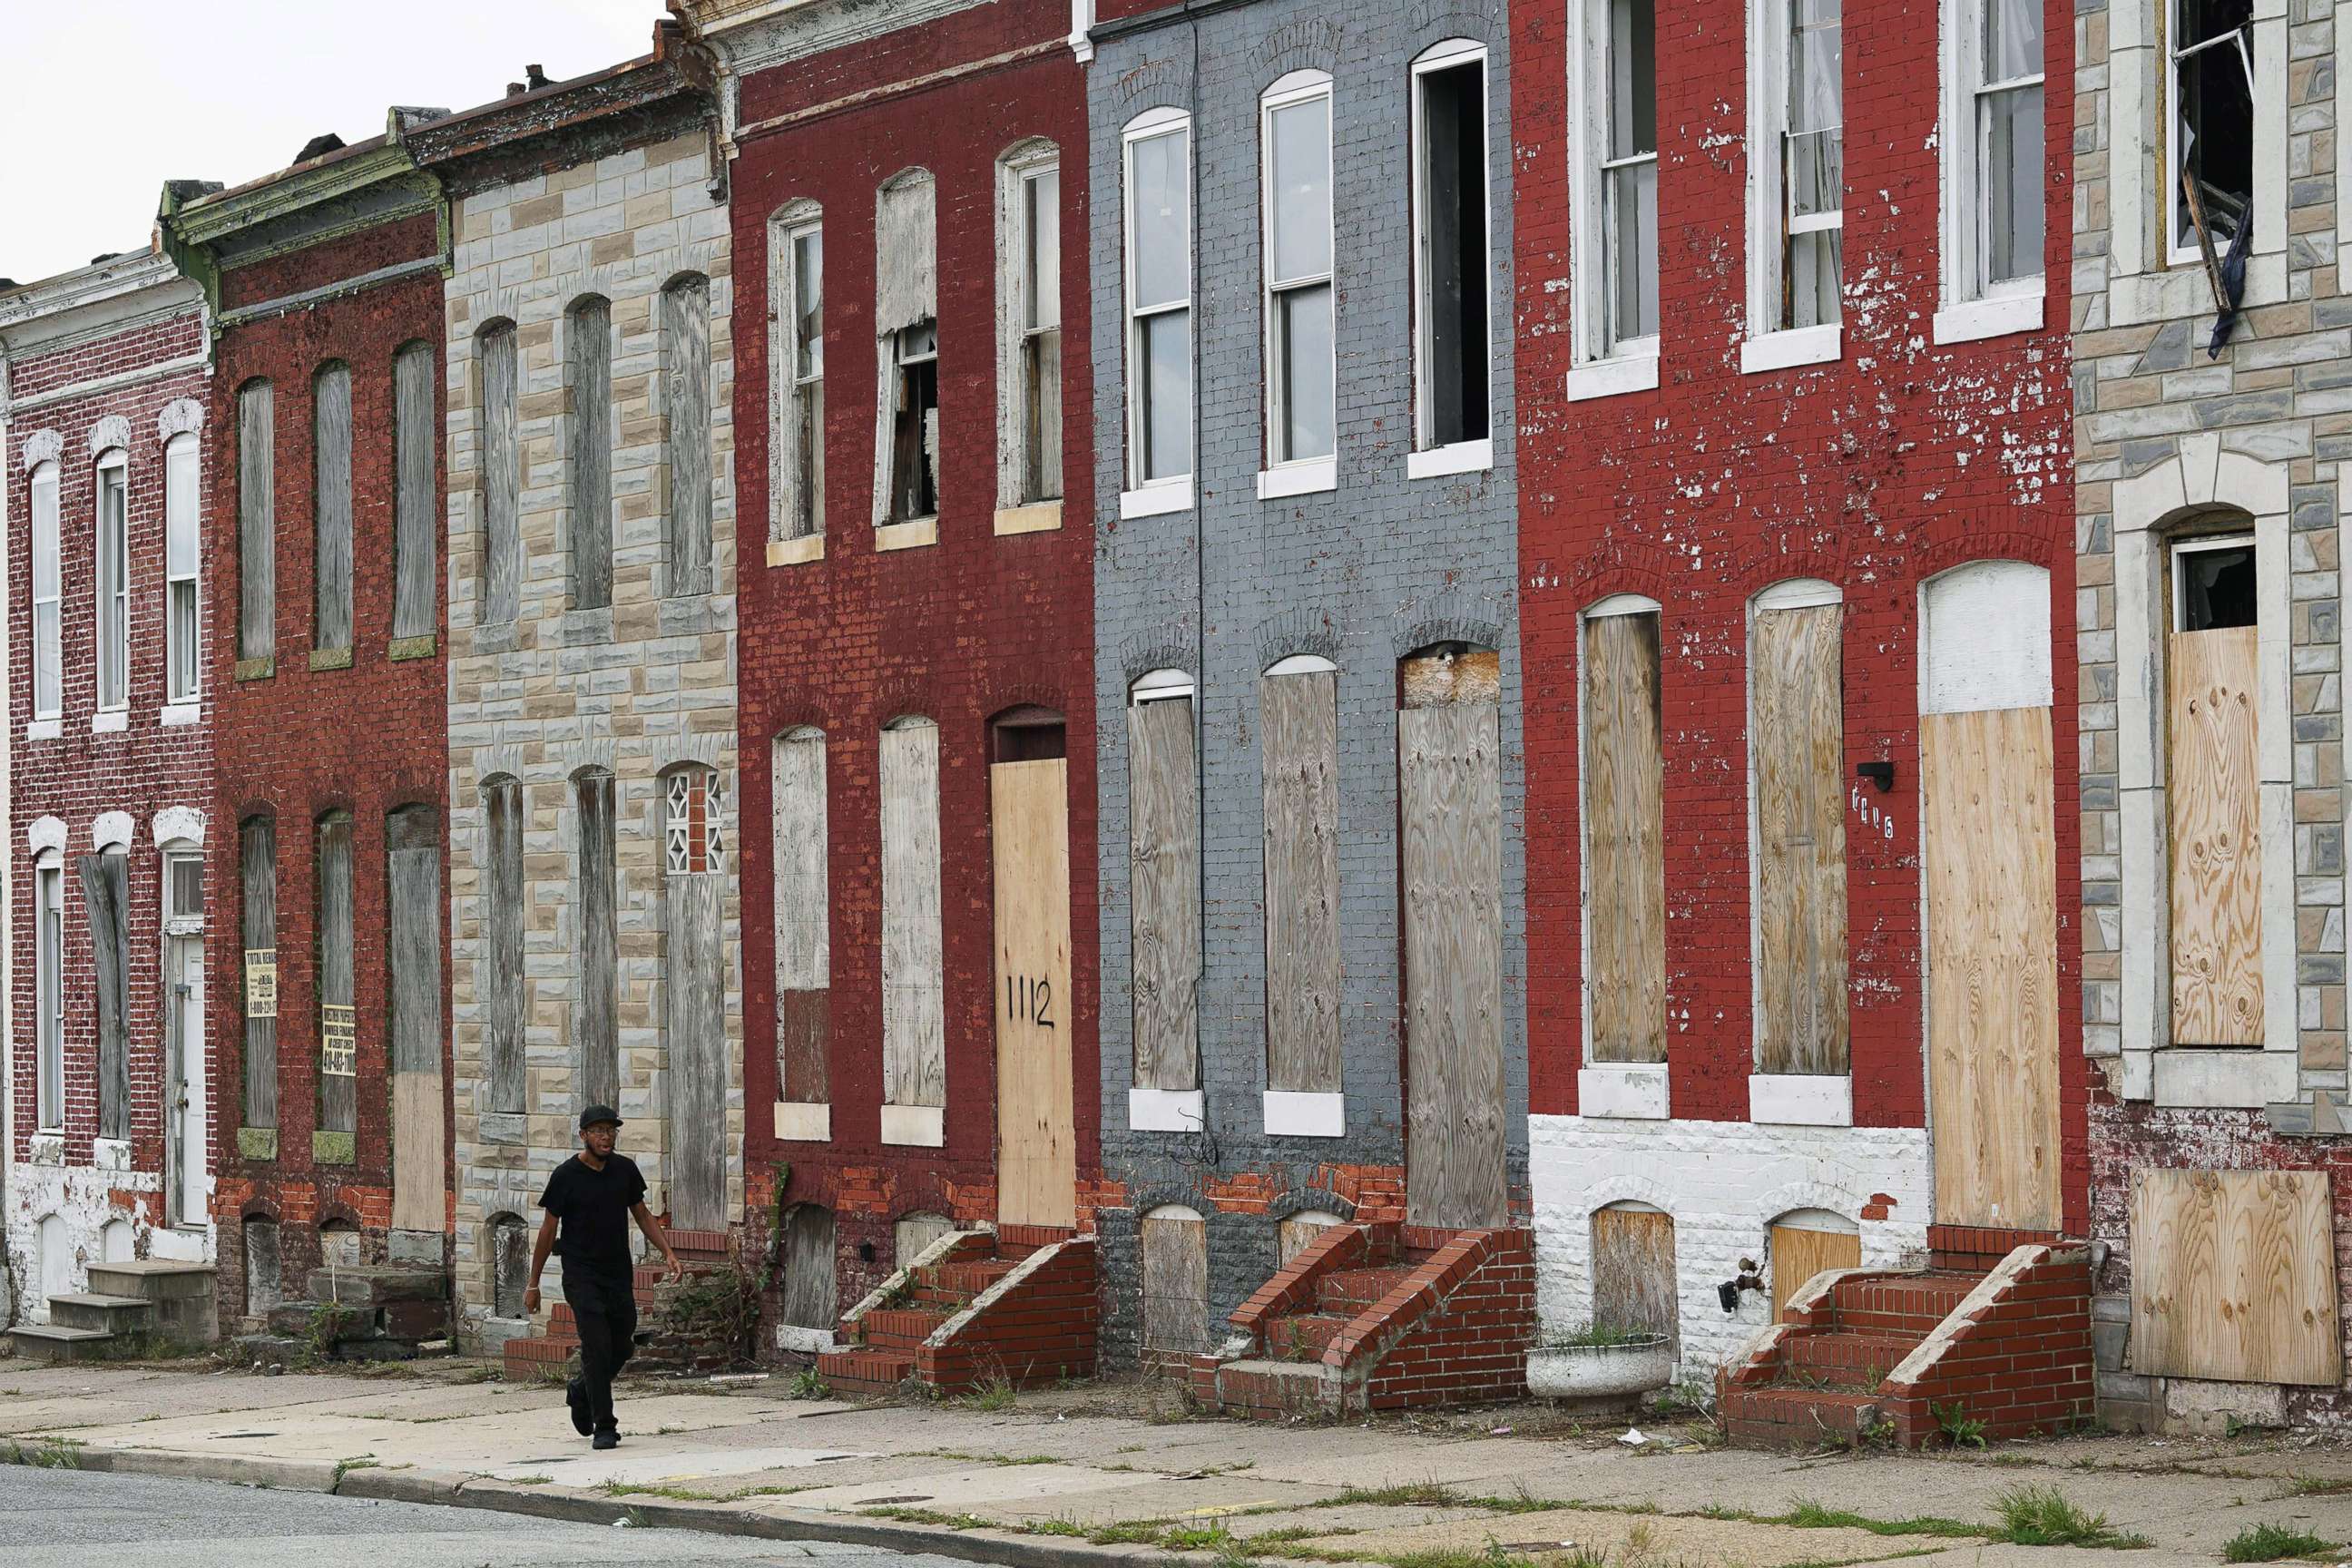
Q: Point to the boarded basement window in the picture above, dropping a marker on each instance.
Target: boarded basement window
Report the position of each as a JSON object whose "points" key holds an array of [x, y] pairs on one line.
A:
{"points": [[257, 868], [264, 1269], [1633, 1279], [1175, 1244], [415, 607], [1298, 1229], [509, 1265], [1802, 1244], [911, 1233], [914, 1024], [106, 901], [1164, 868], [330, 506], [501, 461], [1624, 834], [1797, 762], [338, 1016], [1298, 721], [596, 1017], [2212, 688], [588, 374], [686, 402], [803, 918], [808, 1300], [694, 984], [341, 1246], [499, 982], [257, 521]]}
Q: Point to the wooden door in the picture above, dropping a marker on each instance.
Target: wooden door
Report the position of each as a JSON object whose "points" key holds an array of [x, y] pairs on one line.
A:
{"points": [[192, 1182], [1036, 1138], [1798, 1253]]}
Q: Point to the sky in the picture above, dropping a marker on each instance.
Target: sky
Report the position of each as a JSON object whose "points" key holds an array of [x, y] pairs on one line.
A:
{"points": [[108, 99]]}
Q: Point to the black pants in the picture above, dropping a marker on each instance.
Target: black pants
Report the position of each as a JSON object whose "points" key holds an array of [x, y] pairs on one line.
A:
{"points": [[607, 1313]]}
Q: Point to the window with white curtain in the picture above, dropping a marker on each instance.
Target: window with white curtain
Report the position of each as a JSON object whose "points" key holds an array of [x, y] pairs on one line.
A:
{"points": [[48, 679], [1159, 168], [113, 548], [1294, 136], [1797, 169], [1613, 195], [180, 567]]}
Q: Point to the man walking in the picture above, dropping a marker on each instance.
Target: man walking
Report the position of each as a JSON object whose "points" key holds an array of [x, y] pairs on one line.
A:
{"points": [[594, 1194]]}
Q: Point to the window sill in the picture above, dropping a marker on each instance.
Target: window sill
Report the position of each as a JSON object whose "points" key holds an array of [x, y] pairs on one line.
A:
{"points": [[423, 645], [1800, 1100], [912, 535], [1462, 458], [260, 668], [1157, 500], [1294, 1113], [109, 1153], [1613, 377], [795, 552], [2221, 1078], [45, 728], [1995, 316], [1312, 477], [257, 1142], [1787, 349], [803, 1122], [113, 722], [181, 713], [915, 1126], [2136, 299], [1037, 517], [47, 1147], [334, 1148], [1165, 1110], [331, 658], [1630, 1090]]}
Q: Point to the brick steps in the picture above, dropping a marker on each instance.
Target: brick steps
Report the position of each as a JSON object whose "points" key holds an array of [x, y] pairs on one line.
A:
{"points": [[1022, 1300], [1846, 1359], [549, 1353]]}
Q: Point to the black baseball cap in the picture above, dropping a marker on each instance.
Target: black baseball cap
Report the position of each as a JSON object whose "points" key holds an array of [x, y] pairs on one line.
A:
{"points": [[595, 1113]]}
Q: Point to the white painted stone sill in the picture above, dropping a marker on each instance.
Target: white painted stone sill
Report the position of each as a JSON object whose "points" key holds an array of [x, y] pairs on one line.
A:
{"points": [[1165, 1110], [1037, 517], [1300, 1113], [1613, 377], [2240, 1077], [794, 551], [2136, 299], [110, 1153], [915, 1126], [1787, 349], [1800, 1100], [1313, 476], [1994, 316], [181, 714], [1633, 1090], [1157, 500], [912, 535], [113, 722], [1461, 458], [804, 1122], [45, 728]]}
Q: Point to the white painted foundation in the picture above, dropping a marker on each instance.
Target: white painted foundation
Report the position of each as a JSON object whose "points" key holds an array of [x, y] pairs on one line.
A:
{"points": [[70, 1209]]}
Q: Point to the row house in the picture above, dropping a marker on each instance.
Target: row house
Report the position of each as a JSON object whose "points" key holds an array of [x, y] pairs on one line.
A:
{"points": [[105, 392], [323, 455]]}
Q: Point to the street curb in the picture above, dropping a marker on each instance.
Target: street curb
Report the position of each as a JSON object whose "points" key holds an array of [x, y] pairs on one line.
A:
{"points": [[280, 1475]]}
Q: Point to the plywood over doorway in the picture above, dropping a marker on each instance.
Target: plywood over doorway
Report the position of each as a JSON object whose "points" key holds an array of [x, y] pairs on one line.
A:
{"points": [[2212, 790], [1624, 837], [1037, 1136], [1797, 741], [2233, 1276]]}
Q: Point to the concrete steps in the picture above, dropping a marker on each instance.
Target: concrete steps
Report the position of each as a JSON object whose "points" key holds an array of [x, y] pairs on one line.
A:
{"points": [[131, 1309], [49, 1341]]}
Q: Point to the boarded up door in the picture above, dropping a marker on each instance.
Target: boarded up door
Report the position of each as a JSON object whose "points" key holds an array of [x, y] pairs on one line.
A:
{"points": [[2213, 795], [2233, 1276], [1798, 1253], [699, 1068], [413, 842], [808, 1299], [1798, 740], [1037, 1140], [1452, 878], [1625, 838]]}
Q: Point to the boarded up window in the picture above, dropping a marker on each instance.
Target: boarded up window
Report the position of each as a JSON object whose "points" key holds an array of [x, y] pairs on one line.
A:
{"points": [[264, 1270], [1803, 1245], [2213, 792], [501, 474], [257, 521], [341, 1244], [1797, 758], [686, 402], [1624, 834], [500, 978], [2233, 1276], [807, 1288], [1164, 871], [338, 1020], [1299, 725], [509, 1265], [1175, 1244], [257, 870], [1298, 1229], [330, 506], [803, 918], [694, 889], [588, 374], [415, 605], [905, 312], [1634, 1281], [1449, 739], [412, 976], [105, 899], [914, 1028], [596, 1024]]}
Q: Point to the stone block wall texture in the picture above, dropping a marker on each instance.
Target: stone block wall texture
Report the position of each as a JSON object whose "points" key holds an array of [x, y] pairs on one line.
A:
{"points": [[1363, 575], [299, 743], [958, 631], [636, 688], [1899, 459], [76, 774]]}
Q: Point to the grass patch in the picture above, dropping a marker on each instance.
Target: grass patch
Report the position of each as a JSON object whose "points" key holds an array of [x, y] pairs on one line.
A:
{"points": [[1437, 1494], [2042, 1516], [528, 1480], [54, 1454], [994, 1394], [1805, 1514], [2316, 1485], [2268, 1542], [807, 1384], [931, 1516]]}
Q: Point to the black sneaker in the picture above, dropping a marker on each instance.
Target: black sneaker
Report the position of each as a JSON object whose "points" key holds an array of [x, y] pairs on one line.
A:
{"points": [[605, 1440], [575, 1395]]}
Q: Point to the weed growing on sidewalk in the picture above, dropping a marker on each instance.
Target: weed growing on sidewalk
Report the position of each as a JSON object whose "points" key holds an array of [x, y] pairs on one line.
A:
{"points": [[2267, 1542], [2316, 1485], [2042, 1516], [1960, 1429], [992, 1394], [1806, 1514], [807, 1384]]}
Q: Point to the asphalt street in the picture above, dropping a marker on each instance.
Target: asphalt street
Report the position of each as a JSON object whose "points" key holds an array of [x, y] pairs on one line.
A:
{"points": [[72, 1517]]}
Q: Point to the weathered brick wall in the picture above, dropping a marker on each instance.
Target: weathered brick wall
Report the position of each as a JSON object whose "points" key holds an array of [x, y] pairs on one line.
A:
{"points": [[1363, 575], [299, 743], [957, 631]]}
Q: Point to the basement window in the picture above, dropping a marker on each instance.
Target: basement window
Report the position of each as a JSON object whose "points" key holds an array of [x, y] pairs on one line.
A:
{"points": [[915, 426], [1450, 240], [2211, 170]]}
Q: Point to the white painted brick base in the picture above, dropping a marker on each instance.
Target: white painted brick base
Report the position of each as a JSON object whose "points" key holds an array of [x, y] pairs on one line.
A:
{"points": [[1723, 1183], [79, 1198]]}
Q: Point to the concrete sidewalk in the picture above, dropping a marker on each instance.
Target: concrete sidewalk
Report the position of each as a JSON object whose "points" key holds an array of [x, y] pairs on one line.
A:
{"points": [[1059, 1481]]}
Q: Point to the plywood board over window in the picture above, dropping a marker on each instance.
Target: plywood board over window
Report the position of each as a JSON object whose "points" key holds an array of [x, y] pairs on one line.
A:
{"points": [[1797, 751], [2233, 1276], [1634, 1288], [1175, 1244], [1164, 909], [803, 906], [1625, 838], [914, 1024], [1801, 1248], [413, 893], [2214, 790], [1298, 721]]}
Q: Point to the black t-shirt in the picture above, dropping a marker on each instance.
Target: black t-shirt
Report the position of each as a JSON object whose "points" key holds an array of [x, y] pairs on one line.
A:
{"points": [[595, 1208]]}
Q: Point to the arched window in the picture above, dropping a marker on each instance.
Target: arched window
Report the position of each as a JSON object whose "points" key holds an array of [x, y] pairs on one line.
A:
{"points": [[699, 1065], [597, 1026], [330, 509], [256, 524], [1450, 330], [1163, 829], [113, 579], [1299, 737], [1802, 1244], [914, 1017], [258, 874], [906, 311], [48, 959], [1029, 335], [1301, 366], [1622, 769], [509, 1265], [337, 1011], [1175, 1246], [415, 544], [1299, 1228], [1633, 1277], [183, 569], [499, 988], [686, 405], [499, 373], [588, 374], [48, 676], [1157, 155]]}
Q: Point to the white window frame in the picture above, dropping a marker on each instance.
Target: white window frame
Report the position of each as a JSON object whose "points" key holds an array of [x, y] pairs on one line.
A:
{"points": [[793, 223], [1605, 365], [1768, 345], [2188, 253], [114, 462], [46, 503], [1153, 498], [1016, 173], [1429, 459], [49, 997], [182, 498], [1974, 307], [1284, 475]]}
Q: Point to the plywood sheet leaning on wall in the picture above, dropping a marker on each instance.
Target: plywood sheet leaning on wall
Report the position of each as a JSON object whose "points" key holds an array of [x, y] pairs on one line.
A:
{"points": [[2212, 790], [1633, 1279], [2233, 1276], [1299, 728], [1624, 839], [1798, 1253], [1796, 736], [1164, 856], [1036, 1131], [1992, 966]]}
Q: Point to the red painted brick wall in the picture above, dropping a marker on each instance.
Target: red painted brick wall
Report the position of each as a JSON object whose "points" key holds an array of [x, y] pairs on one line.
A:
{"points": [[1897, 462], [366, 740], [140, 769], [958, 632]]}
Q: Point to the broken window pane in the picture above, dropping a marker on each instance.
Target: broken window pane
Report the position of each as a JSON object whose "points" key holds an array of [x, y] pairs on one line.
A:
{"points": [[2213, 166], [1451, 298], [2213, 587], [915, 440]]}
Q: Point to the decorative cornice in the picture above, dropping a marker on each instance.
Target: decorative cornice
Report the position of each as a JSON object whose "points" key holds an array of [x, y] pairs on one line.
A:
{"points": [[93, 301], [751, 35]]}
